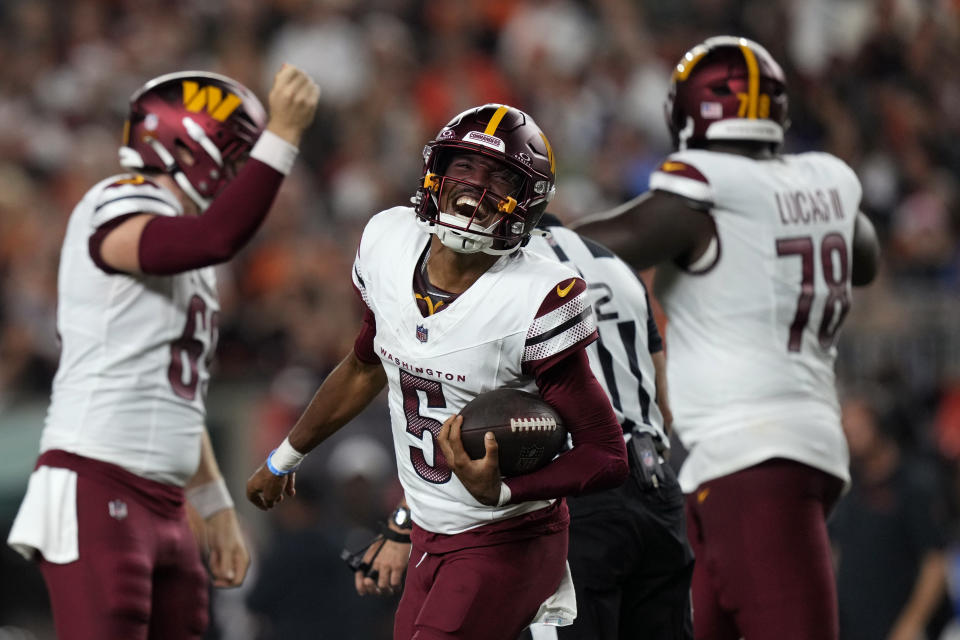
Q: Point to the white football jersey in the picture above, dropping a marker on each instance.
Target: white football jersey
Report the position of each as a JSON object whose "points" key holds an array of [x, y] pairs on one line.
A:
{"points": [[752, 324], [435, 365], [132, 378], [620, 359]]}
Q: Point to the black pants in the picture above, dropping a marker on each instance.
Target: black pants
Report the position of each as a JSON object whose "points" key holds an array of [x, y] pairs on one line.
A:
{"points": [[631, 562]]}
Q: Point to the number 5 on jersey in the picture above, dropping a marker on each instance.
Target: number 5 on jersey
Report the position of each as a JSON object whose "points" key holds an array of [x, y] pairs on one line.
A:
{"points": [[427, 459]]}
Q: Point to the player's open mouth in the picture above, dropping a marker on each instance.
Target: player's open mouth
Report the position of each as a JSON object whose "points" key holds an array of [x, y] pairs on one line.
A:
{"points": [[466, 205]]}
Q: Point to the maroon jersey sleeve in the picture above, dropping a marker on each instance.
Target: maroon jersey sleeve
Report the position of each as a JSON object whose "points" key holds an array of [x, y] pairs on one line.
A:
{"points": [[564, 323], [173, 245], [598, 459]]}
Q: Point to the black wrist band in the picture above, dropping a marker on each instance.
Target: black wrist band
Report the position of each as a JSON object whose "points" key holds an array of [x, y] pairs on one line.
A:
{"points": [[394, 536]]}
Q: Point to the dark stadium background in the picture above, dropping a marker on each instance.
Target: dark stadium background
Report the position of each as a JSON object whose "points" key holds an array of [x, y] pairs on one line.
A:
{"points": [[872, 81]]}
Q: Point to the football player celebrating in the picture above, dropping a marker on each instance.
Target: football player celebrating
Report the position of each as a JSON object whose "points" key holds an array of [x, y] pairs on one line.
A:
{"points": [[757, 253], [629, 557], [124, 441], [455, 307]]}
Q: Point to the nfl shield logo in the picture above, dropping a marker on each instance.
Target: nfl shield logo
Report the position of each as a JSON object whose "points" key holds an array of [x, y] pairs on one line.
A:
{"points": [[421, 333], [647, 458]]}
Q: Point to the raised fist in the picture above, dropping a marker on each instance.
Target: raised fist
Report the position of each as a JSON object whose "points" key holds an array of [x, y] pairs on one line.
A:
{"points": [[293, 103]]}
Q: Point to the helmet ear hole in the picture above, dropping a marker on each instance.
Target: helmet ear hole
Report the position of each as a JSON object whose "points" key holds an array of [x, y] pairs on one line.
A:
{"points": [[183, 155]]}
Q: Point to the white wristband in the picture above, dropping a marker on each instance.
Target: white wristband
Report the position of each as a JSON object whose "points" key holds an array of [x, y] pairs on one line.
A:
{"points": [[210, 498], [273, 150], [505, 494], [284, 459]]}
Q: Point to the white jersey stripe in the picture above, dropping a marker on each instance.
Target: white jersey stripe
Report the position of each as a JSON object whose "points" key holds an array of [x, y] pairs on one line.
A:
{"points": [[358, 281], [558, 316], [581, 329], [131, 204], [118, 200], [546, 335], [136, 197]]}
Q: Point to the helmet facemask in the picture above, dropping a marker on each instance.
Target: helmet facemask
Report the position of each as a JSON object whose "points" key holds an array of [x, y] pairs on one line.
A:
{"points": [[471, 218], [504, 145]]}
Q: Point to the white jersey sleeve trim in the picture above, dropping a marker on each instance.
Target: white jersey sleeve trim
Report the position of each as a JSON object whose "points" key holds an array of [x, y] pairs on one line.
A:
{"points": [[120, 200], [687, 187], [358, 281], [560, 329]]}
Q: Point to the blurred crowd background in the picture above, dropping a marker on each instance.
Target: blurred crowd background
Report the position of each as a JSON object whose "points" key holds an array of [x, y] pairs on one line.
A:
{"points": [[872, 81]]}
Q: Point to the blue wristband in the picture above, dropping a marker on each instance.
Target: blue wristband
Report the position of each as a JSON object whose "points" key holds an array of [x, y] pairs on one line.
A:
{"points": [[276, 471]]}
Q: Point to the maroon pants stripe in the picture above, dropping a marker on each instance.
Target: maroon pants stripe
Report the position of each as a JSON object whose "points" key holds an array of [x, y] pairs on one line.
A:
{"points": [[763, 566], [139, 575], [479, 593]]}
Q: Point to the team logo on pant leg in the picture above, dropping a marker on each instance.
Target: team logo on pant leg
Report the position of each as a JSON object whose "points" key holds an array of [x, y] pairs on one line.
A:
{"points": [[118, 509]]}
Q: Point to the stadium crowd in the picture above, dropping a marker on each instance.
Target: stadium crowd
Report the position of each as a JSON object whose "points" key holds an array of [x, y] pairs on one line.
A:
{"points": [[868, 81]]}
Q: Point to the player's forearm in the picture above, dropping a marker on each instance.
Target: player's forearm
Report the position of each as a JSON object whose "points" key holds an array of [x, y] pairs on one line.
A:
{"points": [[598, 459], [650, 229], [928, 589], [207, 469], [584, 469], [207, 491], [349, 388], [175, 244], [618, 235], [663, 398], [390, 521]]}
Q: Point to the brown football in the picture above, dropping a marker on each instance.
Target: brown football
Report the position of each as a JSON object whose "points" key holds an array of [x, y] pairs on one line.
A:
{"points": [[529, 432]]}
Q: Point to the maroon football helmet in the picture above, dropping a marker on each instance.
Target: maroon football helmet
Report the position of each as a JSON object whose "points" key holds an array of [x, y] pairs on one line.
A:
{"points": [[513, 139], [216, 119], [727, 88]]}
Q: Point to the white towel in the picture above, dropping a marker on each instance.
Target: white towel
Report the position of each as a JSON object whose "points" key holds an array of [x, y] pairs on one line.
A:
{"points": [[47, 519], [543, 632], [560, 609]]}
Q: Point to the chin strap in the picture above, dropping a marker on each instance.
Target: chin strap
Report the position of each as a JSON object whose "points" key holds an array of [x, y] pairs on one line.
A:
{"points": [[451, 229], [464, 240], [684, 134]]}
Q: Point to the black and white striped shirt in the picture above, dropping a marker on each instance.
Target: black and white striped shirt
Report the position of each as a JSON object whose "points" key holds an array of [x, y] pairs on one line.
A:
{"points": [[621, 358]]}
